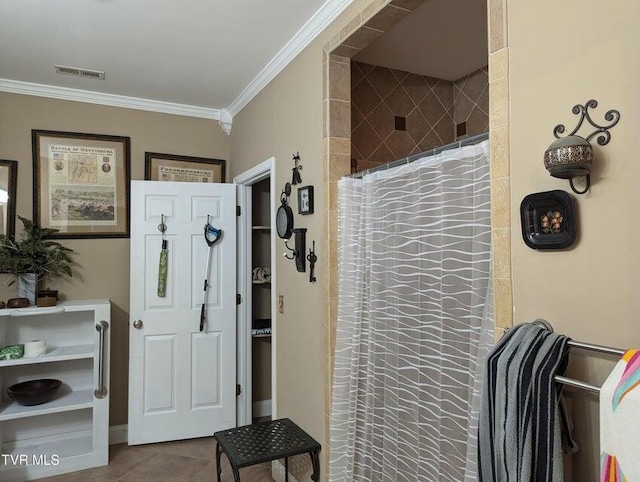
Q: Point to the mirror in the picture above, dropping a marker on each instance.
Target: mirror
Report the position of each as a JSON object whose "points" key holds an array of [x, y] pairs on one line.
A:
{"points": [[8, 186]]}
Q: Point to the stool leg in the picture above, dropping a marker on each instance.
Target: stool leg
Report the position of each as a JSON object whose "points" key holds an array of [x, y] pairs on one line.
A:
{"points": [[286, 469], [315, 463], [236, 473], [219, 469]]}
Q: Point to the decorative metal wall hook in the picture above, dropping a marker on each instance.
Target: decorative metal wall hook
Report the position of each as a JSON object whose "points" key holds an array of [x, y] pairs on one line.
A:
{"points": [[297, 167], [293, 251], [572, 155], [162, 227], [612, 115]]}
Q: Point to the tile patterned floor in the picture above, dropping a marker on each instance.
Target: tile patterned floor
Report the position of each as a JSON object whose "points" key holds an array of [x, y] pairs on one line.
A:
{"points": [[182, 461]]}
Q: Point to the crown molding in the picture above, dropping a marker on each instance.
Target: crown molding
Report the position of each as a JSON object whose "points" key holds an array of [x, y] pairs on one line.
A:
{"points": [[309, 31], [226, 121], [64, 93]]}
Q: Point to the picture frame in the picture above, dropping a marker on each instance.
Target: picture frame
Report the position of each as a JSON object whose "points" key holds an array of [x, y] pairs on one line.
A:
{"points": [[305, 200], [81, 184], [173, 167], [8, 196]]}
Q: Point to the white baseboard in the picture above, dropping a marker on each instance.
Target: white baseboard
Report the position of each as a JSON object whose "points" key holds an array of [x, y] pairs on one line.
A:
{"points": [[277, 472], [118, 434], [262, 409]]}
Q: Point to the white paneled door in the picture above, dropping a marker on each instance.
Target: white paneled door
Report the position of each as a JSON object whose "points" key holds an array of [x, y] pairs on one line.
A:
{"points": [[182, 381]]}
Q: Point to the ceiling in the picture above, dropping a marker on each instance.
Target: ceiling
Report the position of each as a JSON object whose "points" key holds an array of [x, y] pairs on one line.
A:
{"points": [[194, 53], [207, 58], [446, 39]]}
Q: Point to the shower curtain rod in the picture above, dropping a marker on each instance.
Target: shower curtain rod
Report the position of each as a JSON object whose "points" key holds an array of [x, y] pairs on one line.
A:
{"points": [[583, 346], [468, 141]]}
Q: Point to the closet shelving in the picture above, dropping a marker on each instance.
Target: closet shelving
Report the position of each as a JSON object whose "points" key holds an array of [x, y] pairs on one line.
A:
{"points": [[71, 431], [261, 300]]}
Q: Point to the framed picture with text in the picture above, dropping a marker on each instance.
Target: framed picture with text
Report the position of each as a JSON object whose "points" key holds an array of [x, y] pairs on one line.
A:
{"points": [[172, 167], [305, 200], [81, 184]]}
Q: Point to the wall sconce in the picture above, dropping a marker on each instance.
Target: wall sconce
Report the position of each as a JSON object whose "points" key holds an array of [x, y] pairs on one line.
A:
{"points": [[572, 156]]}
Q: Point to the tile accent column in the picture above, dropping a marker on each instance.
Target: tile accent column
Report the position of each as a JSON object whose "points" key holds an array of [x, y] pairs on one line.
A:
{"points": [[337, 164], [500, 171]]}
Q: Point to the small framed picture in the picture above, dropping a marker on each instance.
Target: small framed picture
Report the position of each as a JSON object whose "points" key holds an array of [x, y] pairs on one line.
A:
{"points": [[305, 200]]}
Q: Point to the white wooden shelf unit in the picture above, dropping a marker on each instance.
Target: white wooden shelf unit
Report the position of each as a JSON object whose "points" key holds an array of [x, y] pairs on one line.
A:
{"points": [[70, 432]]}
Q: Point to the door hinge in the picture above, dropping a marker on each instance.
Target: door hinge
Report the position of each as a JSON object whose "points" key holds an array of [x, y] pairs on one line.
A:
{"points": [[238, 390], [238, 298], [238, 211]]}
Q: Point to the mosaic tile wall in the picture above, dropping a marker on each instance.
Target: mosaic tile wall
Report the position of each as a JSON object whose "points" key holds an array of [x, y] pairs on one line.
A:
{"points": [[395, 114]]}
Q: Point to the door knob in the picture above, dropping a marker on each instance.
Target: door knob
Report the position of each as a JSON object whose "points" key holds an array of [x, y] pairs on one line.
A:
{"points": [[137, 324]]}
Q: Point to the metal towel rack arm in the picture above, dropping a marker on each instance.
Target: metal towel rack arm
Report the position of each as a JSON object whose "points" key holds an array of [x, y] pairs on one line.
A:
{"points": [[582, 346]]}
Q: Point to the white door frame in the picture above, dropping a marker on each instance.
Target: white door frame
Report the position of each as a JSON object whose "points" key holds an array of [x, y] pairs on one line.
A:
{"points": [[245, 180]]}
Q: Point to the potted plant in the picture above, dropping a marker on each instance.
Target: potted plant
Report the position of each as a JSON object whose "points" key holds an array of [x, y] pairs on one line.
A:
{"points": [[33, 258]]}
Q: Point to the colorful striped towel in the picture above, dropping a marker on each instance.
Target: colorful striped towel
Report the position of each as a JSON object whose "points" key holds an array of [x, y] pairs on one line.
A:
{"points": [[619, 421]]}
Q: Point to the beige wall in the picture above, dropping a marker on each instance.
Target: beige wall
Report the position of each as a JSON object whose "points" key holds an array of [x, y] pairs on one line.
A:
{"points": [[284, 118], [561, 54], [102, 269], [587, 292]]}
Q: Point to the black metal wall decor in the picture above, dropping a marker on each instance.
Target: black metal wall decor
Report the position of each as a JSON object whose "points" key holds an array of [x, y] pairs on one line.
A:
{"points": [[572, 156], [312, 258], [297, 167], [284, 215]]}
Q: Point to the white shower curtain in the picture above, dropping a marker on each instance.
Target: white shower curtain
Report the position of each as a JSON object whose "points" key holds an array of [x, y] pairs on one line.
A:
{"points": [[415, 320]]}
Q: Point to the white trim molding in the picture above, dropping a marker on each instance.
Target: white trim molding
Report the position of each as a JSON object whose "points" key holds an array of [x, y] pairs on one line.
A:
{"points": [[277, 472], [244, 181], [118, 434], [64, 93], [303, 37], [262, 408], [225, 121]]}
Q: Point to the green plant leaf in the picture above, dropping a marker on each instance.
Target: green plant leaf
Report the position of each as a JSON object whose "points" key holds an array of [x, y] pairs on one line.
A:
{"points": [[31, 253]]}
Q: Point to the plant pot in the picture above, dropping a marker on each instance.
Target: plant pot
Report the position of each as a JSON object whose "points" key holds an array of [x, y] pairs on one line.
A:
{"points": [[27, 283], [48, 294], [43, 301]]}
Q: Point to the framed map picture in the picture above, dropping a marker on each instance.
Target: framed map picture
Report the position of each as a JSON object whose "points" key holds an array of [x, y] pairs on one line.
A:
{"points": [[172, 167], [81, 184]]}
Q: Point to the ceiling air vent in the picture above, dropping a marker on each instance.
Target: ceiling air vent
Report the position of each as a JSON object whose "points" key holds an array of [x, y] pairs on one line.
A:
{"points": [[91, 74]]}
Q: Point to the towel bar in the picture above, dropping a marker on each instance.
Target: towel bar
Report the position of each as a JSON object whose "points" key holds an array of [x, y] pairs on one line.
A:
{"points": [[582, 346]]}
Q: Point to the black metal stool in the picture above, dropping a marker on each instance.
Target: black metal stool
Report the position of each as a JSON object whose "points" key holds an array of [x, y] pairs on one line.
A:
{"points": [[264, 442]]}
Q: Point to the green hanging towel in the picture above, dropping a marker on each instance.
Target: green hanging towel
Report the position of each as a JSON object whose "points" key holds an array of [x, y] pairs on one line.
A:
{"points": [[162, 270]]}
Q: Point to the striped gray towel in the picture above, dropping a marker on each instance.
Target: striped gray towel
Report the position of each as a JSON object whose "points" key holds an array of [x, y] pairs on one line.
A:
{"points": [[520, 431]]}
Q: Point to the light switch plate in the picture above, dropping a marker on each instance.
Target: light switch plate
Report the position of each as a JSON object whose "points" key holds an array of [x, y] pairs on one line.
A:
{"points": [[280, 303]]}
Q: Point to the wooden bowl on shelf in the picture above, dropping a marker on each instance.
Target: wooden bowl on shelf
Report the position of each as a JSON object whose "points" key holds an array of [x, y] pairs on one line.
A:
{"points": [[34, 392], [17, 303]]}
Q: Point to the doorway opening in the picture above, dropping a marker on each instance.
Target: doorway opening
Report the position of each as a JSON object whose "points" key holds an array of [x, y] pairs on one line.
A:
{"points": [[372, 23], [256, 285]]}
